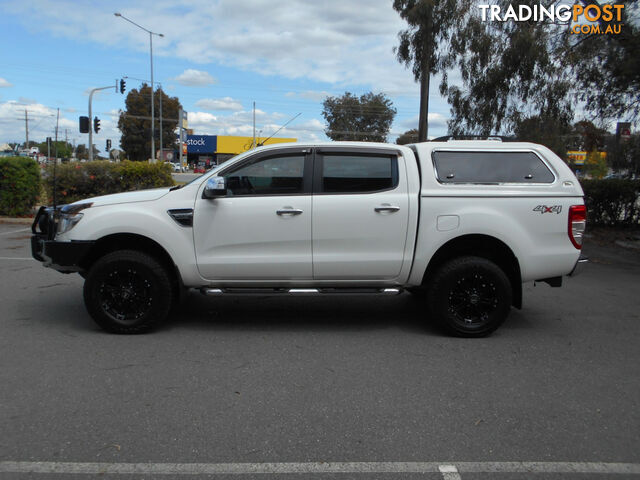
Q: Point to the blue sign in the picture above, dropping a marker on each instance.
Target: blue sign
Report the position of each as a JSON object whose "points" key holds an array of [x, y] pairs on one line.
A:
{"points": [[202, 143]]}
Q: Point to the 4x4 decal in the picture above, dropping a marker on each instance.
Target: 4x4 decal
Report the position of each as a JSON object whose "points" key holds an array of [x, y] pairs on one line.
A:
{"points": [[544, 209]]}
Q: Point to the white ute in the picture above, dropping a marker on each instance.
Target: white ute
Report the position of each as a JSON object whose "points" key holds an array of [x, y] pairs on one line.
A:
{"points": [[461, 223]]}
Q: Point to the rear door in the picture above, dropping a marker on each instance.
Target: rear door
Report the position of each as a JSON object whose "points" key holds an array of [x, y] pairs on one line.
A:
{"points": [[360, 214]]}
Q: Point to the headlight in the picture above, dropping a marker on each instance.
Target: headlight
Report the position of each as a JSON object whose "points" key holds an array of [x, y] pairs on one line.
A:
{"points": [[69, 216], [67, 221]]}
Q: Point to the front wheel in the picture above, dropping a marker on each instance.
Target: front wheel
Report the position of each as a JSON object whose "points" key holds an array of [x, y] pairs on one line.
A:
{"points": [[127, 291], [470, 296]]}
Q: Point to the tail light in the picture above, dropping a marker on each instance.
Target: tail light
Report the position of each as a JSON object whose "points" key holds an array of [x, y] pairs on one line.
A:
{"points": [[577, 223]]}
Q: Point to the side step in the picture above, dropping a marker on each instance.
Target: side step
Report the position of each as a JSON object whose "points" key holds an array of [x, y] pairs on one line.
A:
{"points": [[300, 291]]}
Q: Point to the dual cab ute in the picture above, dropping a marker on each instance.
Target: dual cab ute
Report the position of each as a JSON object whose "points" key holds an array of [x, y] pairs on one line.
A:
{"points": [[461, 223]]}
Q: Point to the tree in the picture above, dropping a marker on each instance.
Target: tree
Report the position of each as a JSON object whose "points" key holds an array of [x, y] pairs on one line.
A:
{"points": [[424, 45], [514, 70], [607, 67], [624, 156], [510, 71], [548, 131], [596, 165], [135, 122], [81, 152], [64, 148], [410, 136], [367, 118], [588, 137]]}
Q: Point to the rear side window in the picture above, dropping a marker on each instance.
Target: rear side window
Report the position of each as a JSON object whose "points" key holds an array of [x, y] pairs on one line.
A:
{"points": [[346, 173], [490, 167]]}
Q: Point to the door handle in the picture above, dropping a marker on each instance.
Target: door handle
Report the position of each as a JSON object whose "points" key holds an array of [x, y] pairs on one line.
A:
{"points": [[288, 211], [385, 207]]}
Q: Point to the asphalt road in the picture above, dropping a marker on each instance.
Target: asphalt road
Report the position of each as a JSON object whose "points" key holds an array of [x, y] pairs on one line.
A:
{"points": [[297, 382]]}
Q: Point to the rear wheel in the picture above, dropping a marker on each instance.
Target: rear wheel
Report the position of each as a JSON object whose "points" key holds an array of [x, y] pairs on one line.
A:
{"points": [[128, 291], [470, 296]]}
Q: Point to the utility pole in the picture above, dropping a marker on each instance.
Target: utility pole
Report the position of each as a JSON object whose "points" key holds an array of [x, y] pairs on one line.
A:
{"points": [[26, 129], [160, 121], [91, 120], [56, 144], [253, 145]]}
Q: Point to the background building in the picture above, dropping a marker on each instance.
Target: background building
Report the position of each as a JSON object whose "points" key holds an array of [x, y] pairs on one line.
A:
{"points": [[215, 149]]}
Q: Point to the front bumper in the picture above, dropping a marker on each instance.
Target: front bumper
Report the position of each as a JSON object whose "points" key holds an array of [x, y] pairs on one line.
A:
{"points": [[65, 257]]}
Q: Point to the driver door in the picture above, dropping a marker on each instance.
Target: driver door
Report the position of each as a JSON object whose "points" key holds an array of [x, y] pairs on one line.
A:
{"points": [[261, 230]]}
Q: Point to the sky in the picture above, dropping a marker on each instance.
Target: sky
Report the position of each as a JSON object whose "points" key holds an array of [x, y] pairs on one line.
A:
{"points": [[216, 56]]}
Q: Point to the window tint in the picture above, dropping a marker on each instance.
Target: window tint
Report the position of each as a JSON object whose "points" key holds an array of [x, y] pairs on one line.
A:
{"points": [[358, 173], [491, 167], [271, 176]]}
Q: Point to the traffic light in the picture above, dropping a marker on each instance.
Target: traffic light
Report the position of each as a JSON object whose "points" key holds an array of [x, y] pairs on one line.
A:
{"points": [[84, 125], [96, 124], [108, 145], [123, 85]]}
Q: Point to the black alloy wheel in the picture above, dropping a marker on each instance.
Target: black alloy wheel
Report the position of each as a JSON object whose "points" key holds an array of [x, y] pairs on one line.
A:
{"points": [[470, 296], [128, 291]]}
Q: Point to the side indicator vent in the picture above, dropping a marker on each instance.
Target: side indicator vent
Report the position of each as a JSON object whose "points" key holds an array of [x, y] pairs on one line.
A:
{"points": [[183, 216]]}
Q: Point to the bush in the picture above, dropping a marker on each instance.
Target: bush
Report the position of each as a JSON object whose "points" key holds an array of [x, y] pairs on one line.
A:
{"points": [[19, 185], [75, 181], [612, 201]]}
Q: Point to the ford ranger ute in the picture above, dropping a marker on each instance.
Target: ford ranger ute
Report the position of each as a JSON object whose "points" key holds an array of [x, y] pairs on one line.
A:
{"points": [[459, 223]]}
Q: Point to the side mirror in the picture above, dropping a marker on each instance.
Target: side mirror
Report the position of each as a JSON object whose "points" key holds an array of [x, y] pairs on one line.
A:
{"points": [[215, 187]]}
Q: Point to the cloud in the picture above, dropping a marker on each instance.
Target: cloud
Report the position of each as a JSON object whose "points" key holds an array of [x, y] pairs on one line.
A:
{"points": [[347, 43], [435, 120], [241, 124], [226, 103], [194, 78], [4, 83]]}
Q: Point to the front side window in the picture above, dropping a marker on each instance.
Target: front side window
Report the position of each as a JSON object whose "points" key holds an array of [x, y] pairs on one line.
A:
{"points": [[344, 173], [490, 167], [281, 175]]}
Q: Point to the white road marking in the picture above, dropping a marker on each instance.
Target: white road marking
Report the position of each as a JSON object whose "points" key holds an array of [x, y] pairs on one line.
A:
{"points": [[93, 468], [16, 231], [16, 258], [449, 472]]}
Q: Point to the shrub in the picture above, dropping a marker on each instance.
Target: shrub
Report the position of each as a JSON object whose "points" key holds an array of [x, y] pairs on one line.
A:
{"points": [[19, 185], [75, 181], [612, 201]]}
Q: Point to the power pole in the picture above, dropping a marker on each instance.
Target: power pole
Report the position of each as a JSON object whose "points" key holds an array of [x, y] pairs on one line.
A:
{"points": [[253, 145], [160, 121], [26, 129], [56, 144]]}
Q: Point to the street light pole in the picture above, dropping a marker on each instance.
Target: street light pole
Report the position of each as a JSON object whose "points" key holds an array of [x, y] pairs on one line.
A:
{"points": [[153, 118], [93, 90], [153, 130]]}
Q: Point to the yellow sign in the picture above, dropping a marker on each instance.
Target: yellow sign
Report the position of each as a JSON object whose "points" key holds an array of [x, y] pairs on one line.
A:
{"points": [[578, 157], [235, 145]]}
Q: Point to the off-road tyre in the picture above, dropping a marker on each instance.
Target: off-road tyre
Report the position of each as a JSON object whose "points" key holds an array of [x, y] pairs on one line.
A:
{"points": [[128, 292], [469, 296]]}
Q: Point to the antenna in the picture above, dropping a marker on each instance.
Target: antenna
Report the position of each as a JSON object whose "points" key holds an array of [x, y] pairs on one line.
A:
{"points": [[291, 120]]}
